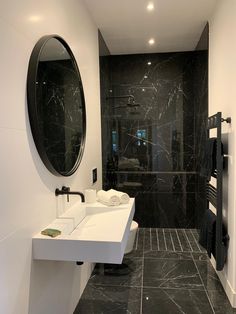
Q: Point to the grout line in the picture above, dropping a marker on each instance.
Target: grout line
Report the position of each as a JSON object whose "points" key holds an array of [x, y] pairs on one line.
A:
{"points": [[111, 285], [196, 241], [150, 234], [158, 244], [203, 285], [179, 240], [185, 234], [164, 238], [172, 242], [167, 258], [171, 288]]}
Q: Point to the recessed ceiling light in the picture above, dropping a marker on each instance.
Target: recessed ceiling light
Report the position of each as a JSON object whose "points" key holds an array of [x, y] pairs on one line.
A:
{"points": [[151, 41], [149, 63], [35, 18], [150, 6]]}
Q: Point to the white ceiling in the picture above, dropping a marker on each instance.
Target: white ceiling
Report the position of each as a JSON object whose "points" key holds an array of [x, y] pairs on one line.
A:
{"points": [[126, 25]]}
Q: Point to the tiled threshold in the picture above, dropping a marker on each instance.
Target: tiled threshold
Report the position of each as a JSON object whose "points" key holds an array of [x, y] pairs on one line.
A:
{"points": [[170, 273]]}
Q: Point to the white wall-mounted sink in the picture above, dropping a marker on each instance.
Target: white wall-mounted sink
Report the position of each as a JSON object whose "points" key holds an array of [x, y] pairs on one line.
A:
{"points": [[90, 232]]}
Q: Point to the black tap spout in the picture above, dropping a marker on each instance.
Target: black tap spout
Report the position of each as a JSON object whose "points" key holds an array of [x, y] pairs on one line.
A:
{"points": [[66, 191]]}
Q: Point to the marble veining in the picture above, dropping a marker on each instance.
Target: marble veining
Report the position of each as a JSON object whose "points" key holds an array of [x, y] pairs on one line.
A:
{"points": [[175, 301], [169, 273], [151, 144], [160, 281], [60, 113]]}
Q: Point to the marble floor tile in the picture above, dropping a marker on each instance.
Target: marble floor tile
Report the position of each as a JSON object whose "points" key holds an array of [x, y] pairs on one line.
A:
{"points": [[154, 243], [200, 256], [161, 239], [147, 239], [220, 302], [133, 279], [162, 280], [169, 240], [139, 243], [168, 255], [171, 273], [196, 236], [109, 300], [134, 254], [184, 241], [192, 241], [175, 301], [209, 277], [176, 240]]}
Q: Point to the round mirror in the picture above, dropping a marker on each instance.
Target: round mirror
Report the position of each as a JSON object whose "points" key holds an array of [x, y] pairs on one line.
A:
{"points": [[56, 105]]}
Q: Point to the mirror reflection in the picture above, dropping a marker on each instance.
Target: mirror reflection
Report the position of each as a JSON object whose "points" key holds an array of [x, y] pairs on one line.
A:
{"points": [[58, 115]]}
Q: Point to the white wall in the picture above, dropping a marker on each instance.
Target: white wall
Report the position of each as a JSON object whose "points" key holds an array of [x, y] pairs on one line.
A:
{"points": [[27, 201], [222, 80]]}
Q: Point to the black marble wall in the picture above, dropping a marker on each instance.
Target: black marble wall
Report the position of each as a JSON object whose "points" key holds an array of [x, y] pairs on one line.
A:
{"points": [[60, 112], [150, 138]]}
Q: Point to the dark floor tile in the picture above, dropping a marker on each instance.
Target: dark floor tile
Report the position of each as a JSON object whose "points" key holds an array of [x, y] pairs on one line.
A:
{"points": [[109, 299], [168, 255], [161, 239], [209, 277], [171, 273], [183, 240], [135, 254], [134, 278], [220, 302], [171, 279], [147, 239], [175, 301], [193, 243], [176, 241], [140, 239], [169, 241], [154, 244], [196, 236], [200, 256]]}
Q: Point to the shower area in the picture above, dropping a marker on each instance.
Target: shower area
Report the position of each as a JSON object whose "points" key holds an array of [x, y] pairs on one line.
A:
{"points": [[154, 108]]}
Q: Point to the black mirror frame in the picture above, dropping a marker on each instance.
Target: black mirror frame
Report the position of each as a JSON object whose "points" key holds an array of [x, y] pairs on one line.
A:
{"points": [[32, 104]]}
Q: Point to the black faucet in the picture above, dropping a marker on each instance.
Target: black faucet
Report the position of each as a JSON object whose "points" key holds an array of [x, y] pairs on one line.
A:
{"points": [[66, 191]]}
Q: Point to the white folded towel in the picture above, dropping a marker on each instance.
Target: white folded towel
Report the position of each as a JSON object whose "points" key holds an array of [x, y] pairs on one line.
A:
{"points": [[108, 198], [124, 197]]}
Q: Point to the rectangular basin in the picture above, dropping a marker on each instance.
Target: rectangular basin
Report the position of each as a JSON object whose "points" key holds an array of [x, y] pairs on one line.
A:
{"points": [[99, 234]]}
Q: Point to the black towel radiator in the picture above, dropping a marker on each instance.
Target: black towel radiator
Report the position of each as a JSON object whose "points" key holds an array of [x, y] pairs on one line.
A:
{"points": [[214, 194]]}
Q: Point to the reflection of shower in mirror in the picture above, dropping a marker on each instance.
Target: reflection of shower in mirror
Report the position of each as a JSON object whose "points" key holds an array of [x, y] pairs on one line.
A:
{"points": [[130, 103]]}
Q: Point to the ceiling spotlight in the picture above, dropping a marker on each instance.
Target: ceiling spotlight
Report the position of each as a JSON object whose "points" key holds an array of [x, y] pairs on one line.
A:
{"points": [[151, 41], [145, 77], [149, 63], [35, 18], [150, 6]]}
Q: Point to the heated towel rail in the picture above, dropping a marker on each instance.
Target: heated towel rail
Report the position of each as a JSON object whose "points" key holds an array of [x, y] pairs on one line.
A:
{"points": [[214, 193]]}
